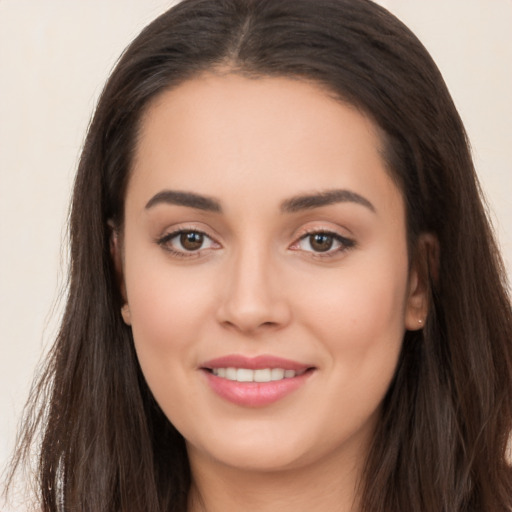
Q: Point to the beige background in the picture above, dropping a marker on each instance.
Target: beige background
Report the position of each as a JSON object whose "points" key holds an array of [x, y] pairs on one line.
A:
{"points": [[54, 58]]}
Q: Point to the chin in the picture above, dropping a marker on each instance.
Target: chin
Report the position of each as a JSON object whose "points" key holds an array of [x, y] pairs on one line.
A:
{"points": [[253, 450]]}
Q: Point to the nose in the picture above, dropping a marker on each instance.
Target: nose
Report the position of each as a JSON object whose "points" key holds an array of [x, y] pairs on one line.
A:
{"points": [[253, 298]]}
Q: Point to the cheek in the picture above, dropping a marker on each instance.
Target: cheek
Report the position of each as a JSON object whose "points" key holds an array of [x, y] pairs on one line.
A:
{"points": [[170, 312], [358, 316], [169, 308], [370, 301], [359, 321]]}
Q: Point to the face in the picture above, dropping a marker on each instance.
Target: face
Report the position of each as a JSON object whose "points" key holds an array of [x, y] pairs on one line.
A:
{"points": [[265, 270]]}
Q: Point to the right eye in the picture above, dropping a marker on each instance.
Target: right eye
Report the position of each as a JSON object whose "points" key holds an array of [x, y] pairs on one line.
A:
{"points": [[186, 243]]}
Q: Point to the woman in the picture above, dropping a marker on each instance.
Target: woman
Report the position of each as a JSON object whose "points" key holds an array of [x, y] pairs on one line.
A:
{"points": [[273, 299]]}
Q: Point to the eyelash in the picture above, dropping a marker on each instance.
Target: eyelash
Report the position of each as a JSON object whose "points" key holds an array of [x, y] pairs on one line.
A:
{"points": [[345, 243], [164, 242]]}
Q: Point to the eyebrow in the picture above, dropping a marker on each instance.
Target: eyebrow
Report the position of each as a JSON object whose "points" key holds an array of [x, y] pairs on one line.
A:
{"points": [[292, 205], [310, 201], [189, 199]]}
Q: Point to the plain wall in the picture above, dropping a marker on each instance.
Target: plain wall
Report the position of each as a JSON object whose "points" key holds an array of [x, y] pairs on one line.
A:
{"points": [[54, 58]]}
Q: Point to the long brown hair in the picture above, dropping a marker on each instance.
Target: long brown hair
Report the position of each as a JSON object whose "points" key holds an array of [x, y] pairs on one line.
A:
{"points": [[441, 443]]}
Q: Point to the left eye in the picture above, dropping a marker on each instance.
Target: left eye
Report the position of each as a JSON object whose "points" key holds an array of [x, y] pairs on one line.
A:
{"points": [[323, 242], [187, 241]]}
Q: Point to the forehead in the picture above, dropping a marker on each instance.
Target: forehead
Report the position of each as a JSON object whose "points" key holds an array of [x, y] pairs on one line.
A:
{"points": [[218, 99], [275, 136]]}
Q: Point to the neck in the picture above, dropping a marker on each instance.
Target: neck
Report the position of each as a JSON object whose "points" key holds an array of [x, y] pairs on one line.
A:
{"points": [[329, 487]]}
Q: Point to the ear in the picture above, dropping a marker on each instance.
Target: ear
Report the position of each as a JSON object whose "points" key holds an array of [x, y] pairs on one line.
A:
{"points": [[424, 266], [125, 313], [116, 253]]}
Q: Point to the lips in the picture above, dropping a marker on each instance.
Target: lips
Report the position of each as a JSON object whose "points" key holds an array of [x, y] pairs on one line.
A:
{"points": [[255, 382], [254, 363], [259, 375]]}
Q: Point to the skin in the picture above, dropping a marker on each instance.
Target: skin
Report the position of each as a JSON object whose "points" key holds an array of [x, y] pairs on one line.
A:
{"points": [[258, 286]]}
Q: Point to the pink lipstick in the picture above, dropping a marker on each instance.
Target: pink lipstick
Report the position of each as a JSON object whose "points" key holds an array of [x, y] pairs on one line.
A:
{"points": [[255, 381]]}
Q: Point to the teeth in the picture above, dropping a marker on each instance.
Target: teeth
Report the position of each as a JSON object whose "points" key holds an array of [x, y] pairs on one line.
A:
{"points": [[260, 375], [277, 374], [264, 375], [244, 375], [231, 373]]}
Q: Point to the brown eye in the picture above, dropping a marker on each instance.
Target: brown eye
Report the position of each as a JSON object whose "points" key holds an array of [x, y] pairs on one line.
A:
{"points": [[191, 240], [321, 242], [189, 243]]}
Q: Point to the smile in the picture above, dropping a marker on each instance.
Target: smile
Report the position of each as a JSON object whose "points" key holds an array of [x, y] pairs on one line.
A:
{"points": [[255, 381], [260, 375]]}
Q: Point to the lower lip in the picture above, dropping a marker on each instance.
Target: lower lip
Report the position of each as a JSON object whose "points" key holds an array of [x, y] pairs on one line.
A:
{"points": [[255, 394]]}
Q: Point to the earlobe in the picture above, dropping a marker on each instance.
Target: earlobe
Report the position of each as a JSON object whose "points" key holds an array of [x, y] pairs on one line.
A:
{"points": [[423, 269], [417, 302]]}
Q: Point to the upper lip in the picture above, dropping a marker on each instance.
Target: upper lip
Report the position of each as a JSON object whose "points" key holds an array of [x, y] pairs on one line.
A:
{"points": [[254, 363]]}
